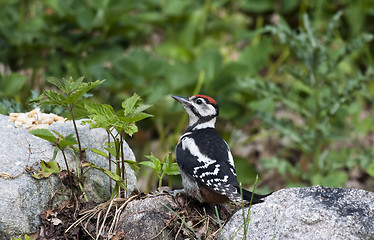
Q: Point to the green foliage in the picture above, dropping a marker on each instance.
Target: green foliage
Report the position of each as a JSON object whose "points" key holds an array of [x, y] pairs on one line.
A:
{"points": [[162, 168], [61, 142], [47, 169], [45, 134], [26, 237], [110, 174], [104, 116], [317, 92], [370, 170], [116, 124], [73, 91], [11, 84], [160, 48]]}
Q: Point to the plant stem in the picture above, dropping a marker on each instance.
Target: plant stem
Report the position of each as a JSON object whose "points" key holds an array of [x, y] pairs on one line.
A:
{"points": [[124, 194], [70, 108], [110, 163], [315, 81], [67, 168], [118, 167], [160, 180]]}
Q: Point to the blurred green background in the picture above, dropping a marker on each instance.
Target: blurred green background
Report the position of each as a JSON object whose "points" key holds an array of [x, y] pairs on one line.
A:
{"points": [[293, 78]]}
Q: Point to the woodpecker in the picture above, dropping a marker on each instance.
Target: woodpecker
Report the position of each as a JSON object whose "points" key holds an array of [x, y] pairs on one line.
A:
{"points": [[204, 159]]}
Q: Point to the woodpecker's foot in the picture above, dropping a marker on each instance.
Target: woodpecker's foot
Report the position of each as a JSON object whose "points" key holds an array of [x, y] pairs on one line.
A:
{"points": [[177, 192]]}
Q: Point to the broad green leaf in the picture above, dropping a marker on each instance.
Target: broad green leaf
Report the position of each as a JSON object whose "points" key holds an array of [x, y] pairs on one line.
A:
{"points": [[63, 84], [37, 100], [370, 170], [171, 169], [135, 118], [154, 163], [47, 169], [81, 90], [149, 164], [112, 151], [67, 141], [53, 98], [112, 175], [12, 84], [130, 104], [45, 134], [99, 152], [130, 129], [133, 165], [97, 108], [51, 166], [143, 107]]}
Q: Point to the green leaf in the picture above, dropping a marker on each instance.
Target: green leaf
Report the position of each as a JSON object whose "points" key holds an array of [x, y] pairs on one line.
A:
{"points": [[154, 163], [135, 118], [143, 107], [51, 166], [12, 84], [99, 152], [130, 129], [149, 164], [266, 105], [45, 134], [26, 237], [55, 153], [68, 141], [53, 98], [103, 109], [112, 175], [65, 142], [169, 167], [103, 115], [62, 85], [332, 179], [172, 169], [133, 164], [81, 90], [130, 104], [370, 170], [111, 150], [47, 169]]}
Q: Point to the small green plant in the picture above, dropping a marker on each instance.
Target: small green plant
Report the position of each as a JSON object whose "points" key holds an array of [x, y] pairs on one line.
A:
{"points": [[25, 237], [62, 143], [70, 98], [102, 116], [162, 168], [117, 124]]}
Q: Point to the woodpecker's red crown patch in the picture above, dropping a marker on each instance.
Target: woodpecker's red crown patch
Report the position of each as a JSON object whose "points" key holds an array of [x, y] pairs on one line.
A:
{"points": [[211, 100]]}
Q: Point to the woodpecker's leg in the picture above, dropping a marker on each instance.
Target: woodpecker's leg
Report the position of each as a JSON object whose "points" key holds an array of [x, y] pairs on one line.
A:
{"points": [[177, 192]]}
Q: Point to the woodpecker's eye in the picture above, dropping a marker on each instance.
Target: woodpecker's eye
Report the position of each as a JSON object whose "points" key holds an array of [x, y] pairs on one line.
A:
{"points": [[199, 101]]}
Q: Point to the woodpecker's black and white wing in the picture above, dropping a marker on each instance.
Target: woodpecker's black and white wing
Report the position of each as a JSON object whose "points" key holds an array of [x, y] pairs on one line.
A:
{"points": [[206, 157]]}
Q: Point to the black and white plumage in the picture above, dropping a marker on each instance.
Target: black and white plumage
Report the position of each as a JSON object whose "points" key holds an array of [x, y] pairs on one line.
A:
{"points": [[204, 158]]}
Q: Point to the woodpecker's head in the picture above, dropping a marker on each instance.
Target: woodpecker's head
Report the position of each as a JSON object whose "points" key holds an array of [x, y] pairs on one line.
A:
{"points": [[202, 110]]}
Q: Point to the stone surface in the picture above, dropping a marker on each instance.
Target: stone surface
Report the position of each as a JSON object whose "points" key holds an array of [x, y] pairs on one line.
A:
{"points": [[23, 198], [145, 218], [308, 213]]}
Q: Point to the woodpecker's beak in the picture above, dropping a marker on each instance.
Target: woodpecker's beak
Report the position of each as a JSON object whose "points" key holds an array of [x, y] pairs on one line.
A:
{"points": [[182, 100]]}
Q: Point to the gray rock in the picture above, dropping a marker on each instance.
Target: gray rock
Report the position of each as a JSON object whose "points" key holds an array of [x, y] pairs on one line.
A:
{"points": [[145, 218], [308, 213], [24, 198]]}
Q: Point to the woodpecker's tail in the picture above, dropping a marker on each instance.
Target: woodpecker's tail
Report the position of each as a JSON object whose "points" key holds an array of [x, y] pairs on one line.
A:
{"points": [[257, 198]]}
